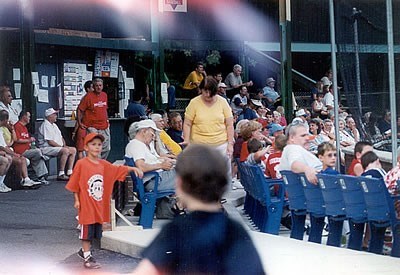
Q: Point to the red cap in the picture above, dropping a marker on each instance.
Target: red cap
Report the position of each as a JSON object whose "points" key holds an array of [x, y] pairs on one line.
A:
{"points": [[92, 136]]}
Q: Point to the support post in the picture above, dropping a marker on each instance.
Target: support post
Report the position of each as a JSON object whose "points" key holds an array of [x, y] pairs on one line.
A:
{"points": [[392, 83], [334, 72], [286, 57]]}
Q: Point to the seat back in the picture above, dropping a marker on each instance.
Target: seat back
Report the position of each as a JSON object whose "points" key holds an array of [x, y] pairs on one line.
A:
{"points": [[138, 185], [353, 198], [295, 191], [332, 194], [375, 195], [314, 201]]}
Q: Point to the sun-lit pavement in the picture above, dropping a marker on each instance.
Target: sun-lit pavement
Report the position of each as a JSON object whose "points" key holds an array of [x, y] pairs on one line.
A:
{"points": [[38, 235]]}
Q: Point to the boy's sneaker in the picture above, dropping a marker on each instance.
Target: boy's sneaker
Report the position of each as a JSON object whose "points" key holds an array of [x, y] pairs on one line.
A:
{"points": [[44, 181], [91, 263], [27, 183], [4, 188], [80, 254], [63, 178]]}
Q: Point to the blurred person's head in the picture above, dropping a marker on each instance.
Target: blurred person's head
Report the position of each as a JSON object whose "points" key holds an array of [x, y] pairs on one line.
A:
{"points": [[207, 182]]}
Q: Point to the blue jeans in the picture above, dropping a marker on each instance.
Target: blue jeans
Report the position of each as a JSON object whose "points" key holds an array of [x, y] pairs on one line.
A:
{"points": [[171, 97], [298, 221], [317, 225], [377, 238], [356, 235], [335, 232]]}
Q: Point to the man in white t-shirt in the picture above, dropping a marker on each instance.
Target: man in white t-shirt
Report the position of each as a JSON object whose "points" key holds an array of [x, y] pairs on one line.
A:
{"points": [[53, 144], [297, 159], [329, 101], [141, 149]]}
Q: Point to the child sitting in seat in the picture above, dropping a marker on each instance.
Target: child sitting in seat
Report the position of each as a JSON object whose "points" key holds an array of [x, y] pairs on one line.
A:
{"points": [[327, 155], [271, 169], [257, 152], [372, 166], [373, 169], [360, 149], [205, 241]]}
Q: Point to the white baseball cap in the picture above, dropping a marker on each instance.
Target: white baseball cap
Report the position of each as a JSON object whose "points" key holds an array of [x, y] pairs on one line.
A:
{"points": [[49, 112]]}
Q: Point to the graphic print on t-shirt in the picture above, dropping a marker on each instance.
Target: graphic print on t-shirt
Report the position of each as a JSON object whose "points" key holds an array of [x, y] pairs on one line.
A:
{"points": [[96, 189]]}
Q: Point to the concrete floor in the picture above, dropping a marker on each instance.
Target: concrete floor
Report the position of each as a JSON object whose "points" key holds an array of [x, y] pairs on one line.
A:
{"points": [[280, 254]]}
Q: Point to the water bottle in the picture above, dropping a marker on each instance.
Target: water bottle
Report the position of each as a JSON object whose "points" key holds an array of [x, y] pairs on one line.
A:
{"points": [[33, 145]]}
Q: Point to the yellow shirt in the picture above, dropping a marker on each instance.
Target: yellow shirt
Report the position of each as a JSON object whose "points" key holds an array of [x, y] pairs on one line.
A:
{"points": [[172, 146], [208, 122], [7, 135], [192, 78]]}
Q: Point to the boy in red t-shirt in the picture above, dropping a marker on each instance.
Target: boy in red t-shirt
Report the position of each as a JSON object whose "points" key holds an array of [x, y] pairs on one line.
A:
{"points": [[92, 183], [275, 158]]}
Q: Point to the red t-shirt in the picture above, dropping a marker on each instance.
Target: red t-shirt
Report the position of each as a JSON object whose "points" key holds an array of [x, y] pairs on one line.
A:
{"points": [[350, 171], [273, 160], [244, 153], [22, 133], [94, 183], [94, 107]]}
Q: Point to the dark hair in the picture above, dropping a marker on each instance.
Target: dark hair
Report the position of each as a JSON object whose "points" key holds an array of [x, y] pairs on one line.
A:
{"points": [[87, 85], [254, 145], [3, 115], [368, 158], [22, 114], [280, 142], [199, 64], [204, 173], [316, 122], [360, 146], [174, 115], [210, 84]]}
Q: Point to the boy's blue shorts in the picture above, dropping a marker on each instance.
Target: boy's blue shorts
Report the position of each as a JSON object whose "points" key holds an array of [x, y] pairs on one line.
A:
{"points": [[91, 231]]}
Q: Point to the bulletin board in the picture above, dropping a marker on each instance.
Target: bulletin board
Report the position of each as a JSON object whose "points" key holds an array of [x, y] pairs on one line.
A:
{"points": [[46, 89]]}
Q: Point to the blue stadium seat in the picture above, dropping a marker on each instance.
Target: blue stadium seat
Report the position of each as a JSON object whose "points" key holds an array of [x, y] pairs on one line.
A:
{"points": [[295, 191], [333, 197], [353, 198], [314, 201], [267, 208], [147, 198]]}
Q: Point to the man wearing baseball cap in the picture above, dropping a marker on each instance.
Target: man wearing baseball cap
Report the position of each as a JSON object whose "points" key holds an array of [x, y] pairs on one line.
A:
{"points": [[270, 96], [222, 91], [141, 149], [53, 144]]}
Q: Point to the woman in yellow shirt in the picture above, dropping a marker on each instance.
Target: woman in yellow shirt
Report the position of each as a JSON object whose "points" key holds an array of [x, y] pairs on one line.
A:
{"points": [[209, 120]]}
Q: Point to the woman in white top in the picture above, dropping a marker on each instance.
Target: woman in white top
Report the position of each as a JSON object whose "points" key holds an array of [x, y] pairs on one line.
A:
{"points": [[345, 138]]}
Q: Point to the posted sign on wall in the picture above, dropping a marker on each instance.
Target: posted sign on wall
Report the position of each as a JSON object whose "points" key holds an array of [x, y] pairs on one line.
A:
{"points": [[106, 64]]}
